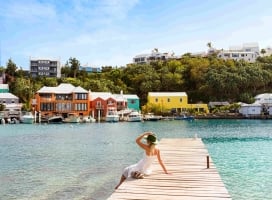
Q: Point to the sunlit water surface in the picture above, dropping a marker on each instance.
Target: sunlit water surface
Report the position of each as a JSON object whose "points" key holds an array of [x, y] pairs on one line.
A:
{"points": [[84, 161]]}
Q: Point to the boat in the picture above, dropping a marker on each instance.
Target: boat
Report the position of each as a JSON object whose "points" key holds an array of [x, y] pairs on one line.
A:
{"points": [[184, 117], [88, 119], [152, 117], [55, 119], [134, 116], [27, 118], [72, 118], [112, 115]]}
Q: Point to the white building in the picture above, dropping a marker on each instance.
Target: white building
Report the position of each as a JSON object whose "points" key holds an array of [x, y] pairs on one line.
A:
{"points": [[248, 52], [251, 110], [155, 55]]}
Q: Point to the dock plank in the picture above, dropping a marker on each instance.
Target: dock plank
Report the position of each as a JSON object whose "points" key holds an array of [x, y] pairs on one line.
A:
{"points": [[186, 159]]}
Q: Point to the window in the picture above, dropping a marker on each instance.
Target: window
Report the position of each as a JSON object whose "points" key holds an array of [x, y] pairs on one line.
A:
{"points": [[47, 107], [81, 96], [80, 106], [180, 100], [156, 100], [168, 99]]}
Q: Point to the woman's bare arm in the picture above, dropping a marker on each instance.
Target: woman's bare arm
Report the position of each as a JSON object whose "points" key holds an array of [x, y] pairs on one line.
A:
{"points": [[161, 162]]}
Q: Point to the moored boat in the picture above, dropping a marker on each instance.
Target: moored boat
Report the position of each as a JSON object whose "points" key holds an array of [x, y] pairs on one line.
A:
{"points": [[55, 119], [88, 119], [152, 117], [112, 115], [134, 116], [184, 117], [27, 118], [72, 118]]}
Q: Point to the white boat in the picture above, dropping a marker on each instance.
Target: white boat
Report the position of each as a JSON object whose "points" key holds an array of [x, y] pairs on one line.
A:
{"points": [[88, 119], [134, 116], [152, 117], [27, 118], [112, 115], [72, 118]]}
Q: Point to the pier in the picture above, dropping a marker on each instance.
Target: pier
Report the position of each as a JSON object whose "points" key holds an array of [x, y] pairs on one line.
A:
{"points": [[194, 175]]}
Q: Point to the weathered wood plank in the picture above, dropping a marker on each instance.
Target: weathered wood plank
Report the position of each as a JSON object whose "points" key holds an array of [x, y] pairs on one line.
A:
{"points": [[186, 159]]}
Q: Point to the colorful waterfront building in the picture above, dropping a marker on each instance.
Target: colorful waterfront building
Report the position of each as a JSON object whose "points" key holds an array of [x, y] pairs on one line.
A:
{"points": [[101, 102], [62, 100], [176, 102], [133, 101]]}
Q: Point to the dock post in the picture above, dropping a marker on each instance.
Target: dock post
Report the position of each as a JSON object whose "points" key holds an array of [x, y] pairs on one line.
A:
{"points": [[208, 162]]}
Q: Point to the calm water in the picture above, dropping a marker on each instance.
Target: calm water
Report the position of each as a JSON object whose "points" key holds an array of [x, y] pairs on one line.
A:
{"points": [[84, 161]]}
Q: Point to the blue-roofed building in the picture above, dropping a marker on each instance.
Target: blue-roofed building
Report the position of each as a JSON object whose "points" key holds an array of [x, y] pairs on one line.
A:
{"points": [[90, 69]]}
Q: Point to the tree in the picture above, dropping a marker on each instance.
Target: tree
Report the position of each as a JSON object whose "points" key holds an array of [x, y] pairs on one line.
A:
{"points": [[74, 65], [263, 51], [10, 72]]}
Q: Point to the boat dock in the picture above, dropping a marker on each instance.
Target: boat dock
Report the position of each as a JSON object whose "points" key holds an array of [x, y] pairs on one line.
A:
{"points": [[194, 176]]}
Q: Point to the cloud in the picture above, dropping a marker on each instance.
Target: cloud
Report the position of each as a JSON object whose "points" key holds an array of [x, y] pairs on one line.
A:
{"points": [[27, 12]]}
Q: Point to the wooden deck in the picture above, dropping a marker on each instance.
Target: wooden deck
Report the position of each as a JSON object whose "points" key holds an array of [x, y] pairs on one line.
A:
{"points": [[186, 159]]}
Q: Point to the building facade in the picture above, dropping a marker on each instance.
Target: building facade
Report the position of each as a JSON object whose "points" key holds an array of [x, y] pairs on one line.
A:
{"points": [[248, 52], [175, 102], [155, 55], [45, 68], [100, 103], [62, 100]]}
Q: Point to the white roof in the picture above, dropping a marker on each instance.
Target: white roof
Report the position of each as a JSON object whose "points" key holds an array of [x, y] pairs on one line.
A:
{"points": [[251, 105], [8, 95], [131, 96], [4, 86], [264, 98], [120, 97], [168, 94], [64, 88], [102, 95]]}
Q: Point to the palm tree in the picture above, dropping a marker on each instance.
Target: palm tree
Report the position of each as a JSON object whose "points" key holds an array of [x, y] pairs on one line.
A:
{"points": [[263, 51]]}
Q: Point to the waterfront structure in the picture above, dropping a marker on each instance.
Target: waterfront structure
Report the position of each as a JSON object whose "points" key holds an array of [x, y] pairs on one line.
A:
{"points": [[101, 103], [155, 55], [4, 88], [175, 102], [45, 68], [133, 101], [11, 105], [248, 52], [251, 110], [62, 100]]}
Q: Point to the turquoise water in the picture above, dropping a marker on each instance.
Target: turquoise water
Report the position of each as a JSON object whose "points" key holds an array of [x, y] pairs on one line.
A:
{"points": [[84, 161]]}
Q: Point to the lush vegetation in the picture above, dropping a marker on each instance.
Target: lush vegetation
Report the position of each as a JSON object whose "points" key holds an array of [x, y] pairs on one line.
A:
{"points": [[203, 79]]}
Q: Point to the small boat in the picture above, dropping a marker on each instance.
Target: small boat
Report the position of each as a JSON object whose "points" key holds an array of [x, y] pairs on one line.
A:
{"points": [[88, 119], [134, 116], [184, 117], [152, 117], [72, 118], [27, 118], [112, 115], [55, 119]]}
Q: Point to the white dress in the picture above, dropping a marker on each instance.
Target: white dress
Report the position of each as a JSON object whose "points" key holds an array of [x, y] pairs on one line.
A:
{"points": [[143, 166]]}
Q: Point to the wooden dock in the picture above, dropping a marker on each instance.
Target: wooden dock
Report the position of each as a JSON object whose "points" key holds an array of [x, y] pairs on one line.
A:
{"points": [[186, 159]]}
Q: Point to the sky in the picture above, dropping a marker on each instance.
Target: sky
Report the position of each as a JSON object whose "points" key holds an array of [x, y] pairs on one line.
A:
{"points": [[111, 32]]}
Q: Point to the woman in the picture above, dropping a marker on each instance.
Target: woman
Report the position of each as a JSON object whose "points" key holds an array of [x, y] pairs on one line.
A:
{"points": [[143, 166]]}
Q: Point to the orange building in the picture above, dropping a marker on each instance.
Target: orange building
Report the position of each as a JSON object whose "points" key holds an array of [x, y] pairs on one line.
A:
{"points": [[62, 100]]}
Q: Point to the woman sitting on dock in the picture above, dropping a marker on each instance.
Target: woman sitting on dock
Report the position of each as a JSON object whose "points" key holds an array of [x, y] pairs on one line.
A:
{"points": [[142, 168]]}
